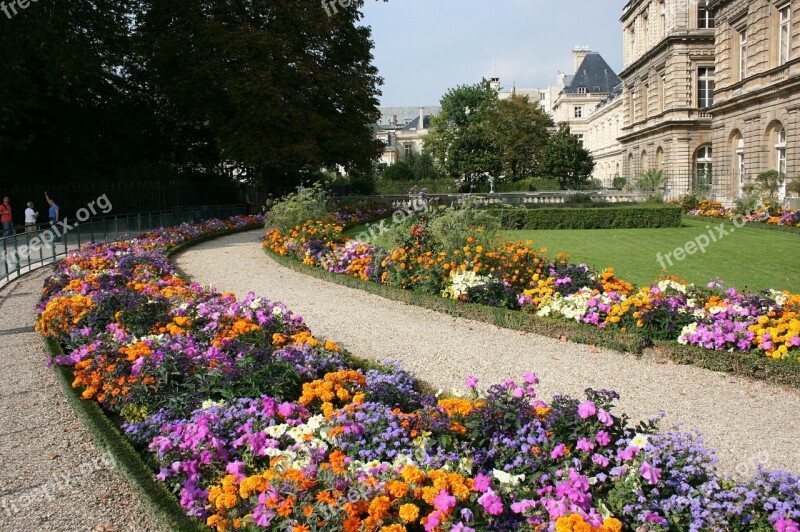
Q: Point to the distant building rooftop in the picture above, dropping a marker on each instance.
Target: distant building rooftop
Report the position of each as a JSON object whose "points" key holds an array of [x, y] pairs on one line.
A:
{"points": [[593, 76]]}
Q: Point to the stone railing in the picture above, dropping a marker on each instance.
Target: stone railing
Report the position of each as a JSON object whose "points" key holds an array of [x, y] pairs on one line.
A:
{"points": [[514, 198]]}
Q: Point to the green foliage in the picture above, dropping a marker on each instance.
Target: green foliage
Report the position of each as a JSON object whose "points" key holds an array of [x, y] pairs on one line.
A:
{"points": [[431, 186], [519, 131], [307, 204], [565, 159], [459, 141], [579, 198], [769, 182], [793, 187], [651, 181], [619, 182], [451, 226], [399, 171], [422, 166], [649, 216]]}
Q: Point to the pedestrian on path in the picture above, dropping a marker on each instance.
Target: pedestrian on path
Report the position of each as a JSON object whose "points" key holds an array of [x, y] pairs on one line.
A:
{"points": [[7, 218], [30, 218], [53, 213]]}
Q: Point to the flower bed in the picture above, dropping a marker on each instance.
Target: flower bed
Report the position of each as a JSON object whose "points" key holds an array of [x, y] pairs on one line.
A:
{"points": [[765, 214], [256, 424], [516, 276]]}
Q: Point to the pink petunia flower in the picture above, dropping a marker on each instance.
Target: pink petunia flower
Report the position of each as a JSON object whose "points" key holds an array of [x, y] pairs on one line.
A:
{"points": [[586, 410]]}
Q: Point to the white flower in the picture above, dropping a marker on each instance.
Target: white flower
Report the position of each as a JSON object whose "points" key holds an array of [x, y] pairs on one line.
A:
{"points": [[276, 431], [209, 403], [640, 441], [507, 478]]}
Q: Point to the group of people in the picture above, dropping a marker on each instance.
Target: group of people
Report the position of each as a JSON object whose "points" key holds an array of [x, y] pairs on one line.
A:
{"points": [[31, 216]]}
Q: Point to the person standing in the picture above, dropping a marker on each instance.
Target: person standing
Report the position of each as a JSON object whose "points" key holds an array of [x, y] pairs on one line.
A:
{"points": [[7, 218], [53, 213], [30, 218]]}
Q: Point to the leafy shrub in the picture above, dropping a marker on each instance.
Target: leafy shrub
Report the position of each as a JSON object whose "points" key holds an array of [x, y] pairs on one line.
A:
{"points": [[579, 198], [451, 226], [399, 171], [619, 182], [297, 208], [432, 186], [651, 181], [770, 182]]}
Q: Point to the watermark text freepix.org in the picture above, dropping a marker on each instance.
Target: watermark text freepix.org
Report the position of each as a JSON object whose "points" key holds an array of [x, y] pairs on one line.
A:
{"points": [[12, 8], [56, 230], [700, 243]]}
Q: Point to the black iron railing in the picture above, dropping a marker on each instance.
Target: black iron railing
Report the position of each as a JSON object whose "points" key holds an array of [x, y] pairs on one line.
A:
{"points": [[31, 248]]}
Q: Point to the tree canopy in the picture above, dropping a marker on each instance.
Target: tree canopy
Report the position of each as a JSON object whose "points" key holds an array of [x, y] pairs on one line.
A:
{"points": [[564, 158], [127, 89]]}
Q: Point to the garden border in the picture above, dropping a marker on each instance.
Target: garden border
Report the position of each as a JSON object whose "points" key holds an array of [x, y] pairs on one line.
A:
{"points": [[163, 504], [780, 372], [755, 225]]}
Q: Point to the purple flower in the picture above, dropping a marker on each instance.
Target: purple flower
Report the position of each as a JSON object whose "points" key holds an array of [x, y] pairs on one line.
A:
{"points": [[444, 501], [650, 473], [786, 525], [559, 451], [587, 410], [600, 460], [605, 418], [585, 445], [531, 378], [491, 503], [472, 381], [602, 438], [628, 453], [481, 484]]}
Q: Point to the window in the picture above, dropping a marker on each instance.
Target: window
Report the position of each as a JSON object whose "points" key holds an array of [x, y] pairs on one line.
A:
{"points": [[703, 169], [705, 16], [646, 102], [541, 96], [646, 27], [742, 53], [705, 87], [780, 151], [662, 97], [580, 138], [578, 112], [785, 34], [740, 168], [581, 90], [662, 9], [409, 149]]}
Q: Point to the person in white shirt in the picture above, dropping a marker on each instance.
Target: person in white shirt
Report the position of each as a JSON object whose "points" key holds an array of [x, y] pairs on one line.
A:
{"points": [[30, 218]]}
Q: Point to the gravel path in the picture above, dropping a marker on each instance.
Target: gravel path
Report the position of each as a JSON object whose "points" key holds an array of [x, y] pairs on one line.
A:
{"points": [[52, 476], [747, 422]]}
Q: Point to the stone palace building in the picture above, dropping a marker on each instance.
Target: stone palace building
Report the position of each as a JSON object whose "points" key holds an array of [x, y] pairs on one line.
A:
{"points": [[709, 94]]}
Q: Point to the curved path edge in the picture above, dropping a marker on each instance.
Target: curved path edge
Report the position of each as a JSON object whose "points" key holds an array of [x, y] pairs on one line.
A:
{"points": [[53, 476], [747, 422]]}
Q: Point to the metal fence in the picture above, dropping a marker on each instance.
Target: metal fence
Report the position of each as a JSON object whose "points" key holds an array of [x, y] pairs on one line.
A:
{"points": [[31, 249]]}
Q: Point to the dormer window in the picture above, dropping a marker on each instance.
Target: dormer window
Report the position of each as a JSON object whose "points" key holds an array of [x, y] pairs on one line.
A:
{"points": [[581, 90]]}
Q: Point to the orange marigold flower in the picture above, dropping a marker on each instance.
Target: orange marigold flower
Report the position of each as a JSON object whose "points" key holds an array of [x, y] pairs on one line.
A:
{"points": [[409, 513]]}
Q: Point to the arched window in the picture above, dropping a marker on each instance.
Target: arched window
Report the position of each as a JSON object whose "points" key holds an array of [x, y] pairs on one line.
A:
{"points": [[643, 162], [780, 162], [702, 169], [660, 158], [740, 164]]}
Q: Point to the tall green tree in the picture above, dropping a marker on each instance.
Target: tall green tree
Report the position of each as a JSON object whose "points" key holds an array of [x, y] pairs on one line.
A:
{"points": [[564, 158], [282, 86], [459, 140], [519, 131]]}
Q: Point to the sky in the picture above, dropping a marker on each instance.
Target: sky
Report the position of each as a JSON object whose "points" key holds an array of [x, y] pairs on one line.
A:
{"points": [[424, 47]]}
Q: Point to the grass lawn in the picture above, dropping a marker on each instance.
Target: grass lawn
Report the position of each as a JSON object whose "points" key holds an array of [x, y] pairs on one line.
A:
{"points": [[748, 257]]}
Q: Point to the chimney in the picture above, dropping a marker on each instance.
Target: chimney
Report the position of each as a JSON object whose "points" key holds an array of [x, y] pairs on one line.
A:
{"points": [[421, 125], [579, 53], [393, 121]]}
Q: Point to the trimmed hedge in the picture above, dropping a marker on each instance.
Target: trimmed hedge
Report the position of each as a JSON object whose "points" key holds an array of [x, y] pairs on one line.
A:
{"points": [[748, 365], [635, 217]]}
